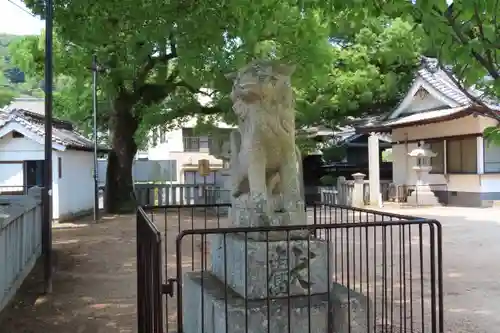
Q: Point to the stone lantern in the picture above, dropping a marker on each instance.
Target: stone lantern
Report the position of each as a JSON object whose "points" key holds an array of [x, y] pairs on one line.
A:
{"points": [[422, 195]]}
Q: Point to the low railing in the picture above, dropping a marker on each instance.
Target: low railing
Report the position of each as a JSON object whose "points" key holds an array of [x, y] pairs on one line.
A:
{"points": [[216, 195], [20, 243], [173, 194], [13, 190], [188, 194]]}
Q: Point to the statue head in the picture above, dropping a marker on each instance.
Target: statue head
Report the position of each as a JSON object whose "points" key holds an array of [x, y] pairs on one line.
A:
{"points": [[261, 81]]}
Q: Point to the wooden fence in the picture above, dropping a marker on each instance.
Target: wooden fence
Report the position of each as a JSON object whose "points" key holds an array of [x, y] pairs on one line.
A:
{"points": [[20, 242]]}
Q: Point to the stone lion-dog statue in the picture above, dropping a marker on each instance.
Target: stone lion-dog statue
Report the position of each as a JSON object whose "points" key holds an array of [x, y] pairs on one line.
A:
{"points": [[265, 160]]}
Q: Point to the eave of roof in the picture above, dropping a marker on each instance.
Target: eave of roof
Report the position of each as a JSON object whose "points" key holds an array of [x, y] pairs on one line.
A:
{"points": [[422, 118], [61, 135]]}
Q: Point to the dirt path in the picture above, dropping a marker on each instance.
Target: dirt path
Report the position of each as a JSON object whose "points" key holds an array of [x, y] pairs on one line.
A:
{"points": [[94, 287]]}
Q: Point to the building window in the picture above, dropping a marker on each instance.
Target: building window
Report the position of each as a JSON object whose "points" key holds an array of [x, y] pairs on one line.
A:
{"points": [[491, 157], [190, 140], [163, 135], [154, 137], [461, 155], [59, 167], [16, 134], [437, 162]]}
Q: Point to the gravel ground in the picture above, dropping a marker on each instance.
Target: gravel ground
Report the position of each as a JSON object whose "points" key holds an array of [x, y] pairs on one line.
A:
{"points": [[95, 277], [471, 252]]}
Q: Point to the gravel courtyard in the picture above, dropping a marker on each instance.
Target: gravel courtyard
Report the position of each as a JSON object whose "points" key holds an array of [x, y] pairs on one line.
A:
{"points": [[471, 257], [95, 279]]}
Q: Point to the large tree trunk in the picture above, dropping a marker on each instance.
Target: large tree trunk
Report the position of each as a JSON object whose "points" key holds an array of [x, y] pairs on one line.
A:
{"points": [[119, 183]]}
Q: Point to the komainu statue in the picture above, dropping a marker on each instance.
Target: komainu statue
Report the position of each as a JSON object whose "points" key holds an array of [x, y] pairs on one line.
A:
{"points": [[265, 160]]}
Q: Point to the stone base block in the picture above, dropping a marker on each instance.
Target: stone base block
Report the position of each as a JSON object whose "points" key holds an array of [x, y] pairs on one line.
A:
{"points": [[423, 197], [210, 307], [259, 269]]}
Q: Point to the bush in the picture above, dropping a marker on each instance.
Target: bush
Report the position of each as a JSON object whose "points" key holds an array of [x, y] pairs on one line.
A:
{"points": [[328, 180]]}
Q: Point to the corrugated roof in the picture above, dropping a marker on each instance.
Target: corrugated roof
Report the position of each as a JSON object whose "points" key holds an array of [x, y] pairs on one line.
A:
{"points": [[62, 132]]}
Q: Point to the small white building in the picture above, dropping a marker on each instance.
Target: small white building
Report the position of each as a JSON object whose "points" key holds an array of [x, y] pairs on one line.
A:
{"points": [[22, 161], [437, 114], [186, 147]]}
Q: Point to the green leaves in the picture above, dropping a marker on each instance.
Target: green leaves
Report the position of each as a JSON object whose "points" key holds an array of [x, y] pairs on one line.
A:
{"points": [[6, 96], [463, 34], [370, 70], [365, 70]]}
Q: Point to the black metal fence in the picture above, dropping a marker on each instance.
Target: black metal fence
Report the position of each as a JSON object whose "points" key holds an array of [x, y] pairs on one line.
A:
{"points": [[346, 270], [149, 275]]}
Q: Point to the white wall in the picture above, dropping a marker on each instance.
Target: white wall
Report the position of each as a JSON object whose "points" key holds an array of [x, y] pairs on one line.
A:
{"points": [[11, 175], [76, 184], [490, 182], [23, 149], [461, 126], [427, 103], [173, 149], [20, 149], [403, 172], [402, 167]]}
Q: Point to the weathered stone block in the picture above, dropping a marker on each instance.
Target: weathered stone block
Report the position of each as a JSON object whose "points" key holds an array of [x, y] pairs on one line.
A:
{"points": [[259, 269], [210, 307]]}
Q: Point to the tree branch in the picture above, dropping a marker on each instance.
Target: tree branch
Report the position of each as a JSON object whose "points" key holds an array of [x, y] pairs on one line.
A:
{"points": [[487, 111], [192, 89], [464, 41], [146, 69], [479, 23]]}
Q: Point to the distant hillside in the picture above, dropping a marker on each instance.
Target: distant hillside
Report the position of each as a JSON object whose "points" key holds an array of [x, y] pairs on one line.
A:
{"points": [[13, 82], [5, 40]]}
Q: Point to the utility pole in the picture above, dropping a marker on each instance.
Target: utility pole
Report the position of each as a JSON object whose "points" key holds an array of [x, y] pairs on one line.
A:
{"points": [[47, 166], [95, 69]]}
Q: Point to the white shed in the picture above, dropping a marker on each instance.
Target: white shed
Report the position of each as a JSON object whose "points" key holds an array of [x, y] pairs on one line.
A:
{"points": [[22, 161]]}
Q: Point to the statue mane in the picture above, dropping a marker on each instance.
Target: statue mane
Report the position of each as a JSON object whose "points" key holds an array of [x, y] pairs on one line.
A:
{"points": [[263, 96]]}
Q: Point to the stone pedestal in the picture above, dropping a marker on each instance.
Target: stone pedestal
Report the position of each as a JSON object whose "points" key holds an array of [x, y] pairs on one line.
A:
{"points": [[315, 304], [358, 199], [260, 269], [275, 280], [268, 281], [423, 196], [226, 312]]}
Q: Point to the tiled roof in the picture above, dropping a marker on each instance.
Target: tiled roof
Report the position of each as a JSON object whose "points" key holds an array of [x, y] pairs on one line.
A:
{"points": [[62, 131], [439, 80], [33, 104], [348, 136]]}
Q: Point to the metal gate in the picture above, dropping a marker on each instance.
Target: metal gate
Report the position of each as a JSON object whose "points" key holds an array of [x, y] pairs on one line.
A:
{"points": [[383, 271]]}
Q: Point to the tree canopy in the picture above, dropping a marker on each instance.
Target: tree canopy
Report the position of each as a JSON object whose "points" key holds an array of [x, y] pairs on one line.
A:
{"points": [[463, 35], [13, 82], [158, 57]]}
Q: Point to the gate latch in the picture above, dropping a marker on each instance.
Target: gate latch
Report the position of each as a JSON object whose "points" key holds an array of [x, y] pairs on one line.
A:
{"points": [[168, 288]]}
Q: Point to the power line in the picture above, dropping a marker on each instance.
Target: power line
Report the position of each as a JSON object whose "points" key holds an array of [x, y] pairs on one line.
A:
{"points": [[21, 8]]}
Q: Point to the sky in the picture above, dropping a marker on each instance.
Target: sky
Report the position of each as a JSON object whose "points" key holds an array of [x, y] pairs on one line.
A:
{"points": [[14, 20]]}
